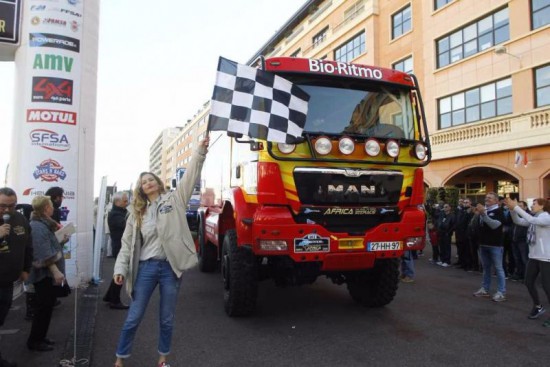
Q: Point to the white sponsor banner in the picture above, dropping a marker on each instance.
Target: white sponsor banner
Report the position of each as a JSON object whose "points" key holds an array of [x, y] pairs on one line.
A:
{"points": [[49, 128]]}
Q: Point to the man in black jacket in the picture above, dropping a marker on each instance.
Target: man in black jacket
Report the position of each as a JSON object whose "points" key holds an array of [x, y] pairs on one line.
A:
{"points": [[15, 252], [489, 234], [116, 220], [445, 226], [56, 196], [463, 218]]}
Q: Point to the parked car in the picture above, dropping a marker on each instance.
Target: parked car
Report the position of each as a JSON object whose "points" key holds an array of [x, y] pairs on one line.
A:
{"points": [[192, 210]]}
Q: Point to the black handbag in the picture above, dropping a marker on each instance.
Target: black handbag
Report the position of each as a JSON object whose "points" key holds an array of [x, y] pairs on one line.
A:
{"points": [[60, 291]]}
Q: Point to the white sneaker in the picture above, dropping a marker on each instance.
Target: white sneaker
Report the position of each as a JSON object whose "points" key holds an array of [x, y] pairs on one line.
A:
{"points": [[445, 265], [439, 263], [481, 292], [499, 297]]}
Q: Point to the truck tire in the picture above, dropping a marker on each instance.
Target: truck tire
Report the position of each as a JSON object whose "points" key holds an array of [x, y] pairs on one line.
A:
{"points": [[207, 252], [240, 278], [375, 287]]}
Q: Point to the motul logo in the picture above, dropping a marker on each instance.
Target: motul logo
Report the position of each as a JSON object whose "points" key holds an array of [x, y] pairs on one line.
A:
{"points": [[51, 116]]}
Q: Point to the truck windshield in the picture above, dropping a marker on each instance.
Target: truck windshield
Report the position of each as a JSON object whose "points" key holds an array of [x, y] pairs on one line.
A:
{"points": [[380, 113]]}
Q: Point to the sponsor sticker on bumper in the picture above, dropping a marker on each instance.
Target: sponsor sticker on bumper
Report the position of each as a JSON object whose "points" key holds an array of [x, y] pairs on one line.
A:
{"points": [[312, 243]]}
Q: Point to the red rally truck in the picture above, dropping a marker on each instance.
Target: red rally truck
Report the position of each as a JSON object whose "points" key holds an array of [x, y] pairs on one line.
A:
{"points": [[345, 202]]}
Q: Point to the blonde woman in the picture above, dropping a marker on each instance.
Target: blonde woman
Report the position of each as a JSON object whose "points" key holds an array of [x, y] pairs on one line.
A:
{"points": [[48, 269], [157, 247]]}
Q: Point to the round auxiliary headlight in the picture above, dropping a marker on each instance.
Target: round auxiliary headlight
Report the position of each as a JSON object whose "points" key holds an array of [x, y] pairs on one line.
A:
{"points": [[286, 148], [346, 145], [420, 151], [392, 148], [372, 147], [323, 145]]}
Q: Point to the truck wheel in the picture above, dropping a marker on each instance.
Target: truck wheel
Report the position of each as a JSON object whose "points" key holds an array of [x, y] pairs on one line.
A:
{"points": [[240, 279], [375, 287], [207, 253]]}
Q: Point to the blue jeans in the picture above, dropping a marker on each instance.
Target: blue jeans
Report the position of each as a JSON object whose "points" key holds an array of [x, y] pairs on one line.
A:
{"points": [[492, 256], [150, 273], [407, 265]]}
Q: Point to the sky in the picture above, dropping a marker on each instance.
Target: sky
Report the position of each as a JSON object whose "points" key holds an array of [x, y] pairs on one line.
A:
{"points": [[156, 68]]}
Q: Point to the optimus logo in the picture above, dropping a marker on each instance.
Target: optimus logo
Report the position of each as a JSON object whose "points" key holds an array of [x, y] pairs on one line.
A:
{"points": [[51, 116], [49, 170], [54, 90], [49, 139]]}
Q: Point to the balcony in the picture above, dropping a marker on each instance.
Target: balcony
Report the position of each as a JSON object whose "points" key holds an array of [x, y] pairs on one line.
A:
{"points": [[498, 134]]}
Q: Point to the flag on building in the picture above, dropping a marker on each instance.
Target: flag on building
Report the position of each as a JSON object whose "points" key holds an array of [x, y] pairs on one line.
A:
{"points": [[525, 159], [257, 103], [518, 158]]}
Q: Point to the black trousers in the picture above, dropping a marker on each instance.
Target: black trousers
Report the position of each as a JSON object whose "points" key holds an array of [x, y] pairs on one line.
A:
{"points": [[444, 247], [45, 300], [534, 267]]}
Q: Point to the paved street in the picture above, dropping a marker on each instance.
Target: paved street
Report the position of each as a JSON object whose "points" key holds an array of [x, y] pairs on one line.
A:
{"points": [[435, 321], [432, 322]]}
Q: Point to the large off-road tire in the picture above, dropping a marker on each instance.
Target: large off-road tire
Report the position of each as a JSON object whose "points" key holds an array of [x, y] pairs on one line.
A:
{"points": [[240, 277], [207, 253], [375, 287]]}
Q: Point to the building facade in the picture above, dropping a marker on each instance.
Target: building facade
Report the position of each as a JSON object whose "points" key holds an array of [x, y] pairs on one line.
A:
{"points": [[159, 151], [484, 74], [182, 145]]}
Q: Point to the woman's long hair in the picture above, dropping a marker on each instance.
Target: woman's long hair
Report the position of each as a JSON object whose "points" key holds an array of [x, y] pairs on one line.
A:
{"points": [[140, 199], [544, 203], [39, 205]]}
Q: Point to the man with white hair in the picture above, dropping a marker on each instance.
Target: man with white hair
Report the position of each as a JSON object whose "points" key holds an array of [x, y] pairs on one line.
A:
{"points": [[116, 221]]}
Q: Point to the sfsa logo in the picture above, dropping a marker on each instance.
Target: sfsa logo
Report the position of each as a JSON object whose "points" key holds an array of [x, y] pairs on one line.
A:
{"points": [[49, 139], [51, 116], [54, 90], [49, 170]]}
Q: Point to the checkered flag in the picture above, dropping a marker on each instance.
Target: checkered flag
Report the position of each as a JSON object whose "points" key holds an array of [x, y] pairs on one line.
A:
{"points": [[257, 103]]}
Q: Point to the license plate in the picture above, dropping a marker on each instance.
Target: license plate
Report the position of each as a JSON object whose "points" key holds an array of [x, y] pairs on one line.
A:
{"points": [[384, 246]]}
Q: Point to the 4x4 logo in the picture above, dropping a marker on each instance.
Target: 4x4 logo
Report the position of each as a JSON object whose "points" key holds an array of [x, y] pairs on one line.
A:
{"points": [[54, 90]]}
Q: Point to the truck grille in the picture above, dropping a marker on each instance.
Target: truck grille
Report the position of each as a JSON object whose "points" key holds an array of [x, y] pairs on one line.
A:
{"points": [[340, 186], [348, 200]]}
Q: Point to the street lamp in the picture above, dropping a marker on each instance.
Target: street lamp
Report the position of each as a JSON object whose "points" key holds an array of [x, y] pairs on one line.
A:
{"points": [[501, 50]]}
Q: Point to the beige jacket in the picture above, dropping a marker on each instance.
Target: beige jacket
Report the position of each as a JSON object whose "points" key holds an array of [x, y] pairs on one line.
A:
{"points": [[172, 229]]}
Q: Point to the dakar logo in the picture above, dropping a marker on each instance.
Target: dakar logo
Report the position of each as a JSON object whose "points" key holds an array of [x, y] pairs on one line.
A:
{"points": [[49, 170], [50, 140]]}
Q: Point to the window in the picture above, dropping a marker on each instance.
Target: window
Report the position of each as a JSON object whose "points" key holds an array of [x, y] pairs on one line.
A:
{"points": [[540, 13], [401, 22], [489, 100], [320, 11], [296, 53], [440, 3], [351, 49], [319, 37], [474, 38], [542, 86], [405, 65], [353, 10]]}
